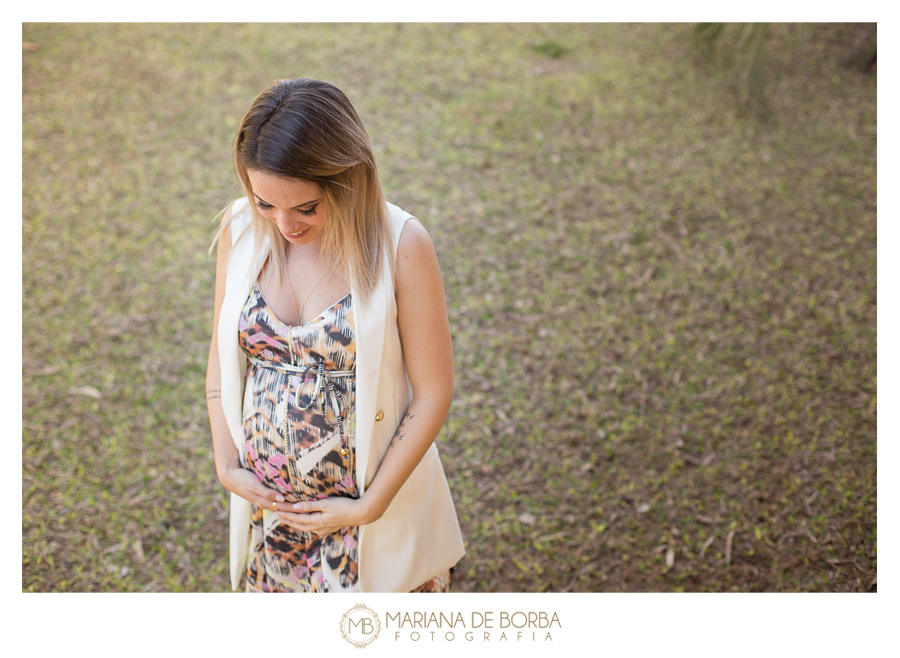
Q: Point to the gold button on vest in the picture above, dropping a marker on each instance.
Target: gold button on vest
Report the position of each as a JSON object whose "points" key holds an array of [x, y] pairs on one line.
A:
{"points": [[379, 415]]}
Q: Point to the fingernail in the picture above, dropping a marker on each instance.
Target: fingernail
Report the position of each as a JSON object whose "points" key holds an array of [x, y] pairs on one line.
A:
{"points": [[279, 498], [298, 506]]}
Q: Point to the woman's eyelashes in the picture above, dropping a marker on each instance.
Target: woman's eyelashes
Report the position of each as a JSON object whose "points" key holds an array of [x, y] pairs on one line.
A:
{"points": [[306, 213]]}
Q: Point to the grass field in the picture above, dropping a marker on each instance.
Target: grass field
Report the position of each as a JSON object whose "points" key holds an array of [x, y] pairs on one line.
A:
{"points": [[663, 310]]}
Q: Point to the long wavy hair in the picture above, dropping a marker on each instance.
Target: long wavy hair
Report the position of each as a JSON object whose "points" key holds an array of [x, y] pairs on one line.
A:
{"points": [[309, 130]]}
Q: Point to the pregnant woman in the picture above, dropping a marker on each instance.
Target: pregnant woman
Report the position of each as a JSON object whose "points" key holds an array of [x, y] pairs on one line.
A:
{"points": [[330, 367]]}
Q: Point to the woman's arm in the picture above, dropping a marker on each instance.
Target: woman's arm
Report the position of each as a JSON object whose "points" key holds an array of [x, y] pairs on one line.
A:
{"points": [[231, 474], [427, 350]]}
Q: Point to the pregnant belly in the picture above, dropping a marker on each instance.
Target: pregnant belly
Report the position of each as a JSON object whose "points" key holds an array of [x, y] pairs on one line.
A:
{"points": [[316, 470]]}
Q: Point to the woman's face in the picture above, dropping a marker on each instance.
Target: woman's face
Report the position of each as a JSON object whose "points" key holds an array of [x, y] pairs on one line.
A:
{"points": [[296, 206]]}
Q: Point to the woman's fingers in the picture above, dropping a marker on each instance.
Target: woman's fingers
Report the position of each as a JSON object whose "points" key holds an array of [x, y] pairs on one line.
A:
{"points": [[314, 523], [264, 496], [307, 520], [272, 499], [249, 487], [311, 506], [268, 494]]}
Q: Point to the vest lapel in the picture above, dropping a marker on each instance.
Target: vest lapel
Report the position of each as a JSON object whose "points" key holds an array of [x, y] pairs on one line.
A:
{"points": [[369, 316], [242, 273]]}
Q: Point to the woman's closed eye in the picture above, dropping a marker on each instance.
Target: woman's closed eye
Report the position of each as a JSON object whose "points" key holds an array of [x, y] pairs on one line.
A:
{"points": [[306, 213]]}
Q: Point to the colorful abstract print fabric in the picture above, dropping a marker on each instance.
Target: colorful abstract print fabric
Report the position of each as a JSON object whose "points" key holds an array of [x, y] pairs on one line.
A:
{"points": [[297, 451]]}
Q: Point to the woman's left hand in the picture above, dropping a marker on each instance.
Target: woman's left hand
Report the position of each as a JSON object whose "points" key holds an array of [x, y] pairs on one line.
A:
{"points": [[322, 517]]}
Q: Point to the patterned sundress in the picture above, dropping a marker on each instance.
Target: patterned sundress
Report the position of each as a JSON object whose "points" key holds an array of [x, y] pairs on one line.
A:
{"points": [[299, 440]]}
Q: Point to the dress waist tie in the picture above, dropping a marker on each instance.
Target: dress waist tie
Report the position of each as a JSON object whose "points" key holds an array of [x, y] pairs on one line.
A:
{"points": [[325, 395]]}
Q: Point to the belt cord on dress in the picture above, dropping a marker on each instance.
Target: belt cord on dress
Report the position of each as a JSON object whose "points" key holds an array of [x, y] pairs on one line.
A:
{"points": [[324, 392]]}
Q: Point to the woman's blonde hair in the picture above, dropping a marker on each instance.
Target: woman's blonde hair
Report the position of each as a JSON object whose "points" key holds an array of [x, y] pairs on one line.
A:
{"points": [[309, 130]]}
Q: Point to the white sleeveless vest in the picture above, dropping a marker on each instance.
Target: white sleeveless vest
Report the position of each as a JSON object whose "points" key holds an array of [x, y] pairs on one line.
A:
{"points": [[418, 537]]}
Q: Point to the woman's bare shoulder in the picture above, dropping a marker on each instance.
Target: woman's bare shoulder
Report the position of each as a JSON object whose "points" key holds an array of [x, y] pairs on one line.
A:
{"points": [[415, 243], [418, 270]]}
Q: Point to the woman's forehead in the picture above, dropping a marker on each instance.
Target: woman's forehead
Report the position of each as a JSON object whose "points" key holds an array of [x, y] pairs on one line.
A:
{"points": [[283, 192]]}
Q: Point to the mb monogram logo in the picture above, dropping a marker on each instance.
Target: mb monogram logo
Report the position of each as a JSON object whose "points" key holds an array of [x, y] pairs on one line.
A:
{"points": [[360, 626]]}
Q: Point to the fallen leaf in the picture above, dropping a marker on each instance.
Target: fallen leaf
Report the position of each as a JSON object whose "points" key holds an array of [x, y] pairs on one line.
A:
{"points": [[527, 519], [728, 543], [645, 277], [89, 391]]}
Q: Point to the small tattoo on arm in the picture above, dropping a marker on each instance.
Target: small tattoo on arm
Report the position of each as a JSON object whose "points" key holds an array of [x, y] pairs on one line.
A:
{"points": [[401, 431]]}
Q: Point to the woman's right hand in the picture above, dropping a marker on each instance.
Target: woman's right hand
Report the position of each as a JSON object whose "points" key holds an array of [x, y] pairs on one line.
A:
{"points": [[245, 484]]}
